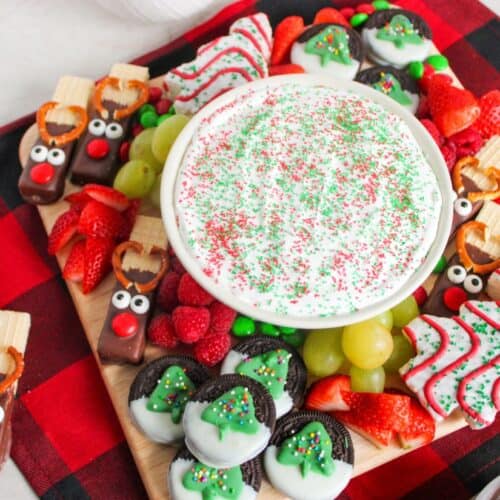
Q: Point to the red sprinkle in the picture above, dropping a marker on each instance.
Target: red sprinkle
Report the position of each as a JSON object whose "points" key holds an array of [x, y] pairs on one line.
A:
{"points": [[124, 324], [347, 12], [137, 129], [365, 8], [154, 94], [162, 106], [98, 149], [420, 296], [42, 173], [454, 297], [124, 149]]}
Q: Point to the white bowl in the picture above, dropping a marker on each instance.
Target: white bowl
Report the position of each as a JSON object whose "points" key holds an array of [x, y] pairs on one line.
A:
{"points": [[426, 143]]}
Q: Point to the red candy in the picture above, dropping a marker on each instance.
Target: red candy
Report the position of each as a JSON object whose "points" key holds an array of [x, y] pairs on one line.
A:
{"points": [[123, 152], [454, 297], [98, 149], [162, 106], [154, 94], [347, 12], [468, 142], [285, 69], [137, 129], [423, 83], [365, 8], [124, 324], [420, 295], [42, 173]]}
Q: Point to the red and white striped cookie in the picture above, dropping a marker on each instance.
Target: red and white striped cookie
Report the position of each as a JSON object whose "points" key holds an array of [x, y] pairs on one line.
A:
{"points": [[258, 30]]}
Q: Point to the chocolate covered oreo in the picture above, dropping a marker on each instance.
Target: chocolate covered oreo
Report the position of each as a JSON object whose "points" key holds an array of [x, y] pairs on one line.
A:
{"points": [[310, 456], [228, 421], [159, 393], [273, 363]]}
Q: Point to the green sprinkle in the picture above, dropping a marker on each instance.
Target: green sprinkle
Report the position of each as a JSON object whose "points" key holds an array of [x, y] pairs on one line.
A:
{"points": [[441, 265], [416, 70], [243, 326], [358, 19]]}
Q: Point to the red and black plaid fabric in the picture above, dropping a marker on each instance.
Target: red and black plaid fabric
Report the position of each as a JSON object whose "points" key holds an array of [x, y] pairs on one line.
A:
{"points": [[67, 439]]}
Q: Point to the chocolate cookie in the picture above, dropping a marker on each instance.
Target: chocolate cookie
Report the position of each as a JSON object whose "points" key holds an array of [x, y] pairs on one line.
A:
{"points": [[273, 363], [228, 421], [310, 456], [396, 37], [330, 49], [188, 478], [159, 394], [392, 82]]}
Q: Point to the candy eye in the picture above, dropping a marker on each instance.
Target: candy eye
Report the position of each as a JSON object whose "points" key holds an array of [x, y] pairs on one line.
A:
{"points": [[473, 283], [56, 157], [39, 153], [97, 126], [114, 131], [140, 304], [456, 274], [462, 207], [121, 299]]}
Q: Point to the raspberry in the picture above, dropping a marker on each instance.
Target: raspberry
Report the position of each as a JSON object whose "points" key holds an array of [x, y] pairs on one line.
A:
{"points": [[190, 323], [433, 131], [167, 291], [212, 349], [161, 332], [468, 142], [488, 123], [423, 110], [449, 152], [176, 265], [221, 318], [190, 293]]}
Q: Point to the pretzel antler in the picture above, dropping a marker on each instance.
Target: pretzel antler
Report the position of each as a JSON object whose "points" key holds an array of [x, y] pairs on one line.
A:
{"points": [[494, 174], [61, 139], [10, 379], [139, 248], [116, 83]]}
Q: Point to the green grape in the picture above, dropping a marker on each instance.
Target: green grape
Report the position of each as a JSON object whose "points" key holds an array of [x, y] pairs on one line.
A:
{"points": [[154, 195], [165, 135], [322, 351], [367, 344], [401, 353], [140, 149], [367, 380], [385, 319], [135, 179], [405, 311]]}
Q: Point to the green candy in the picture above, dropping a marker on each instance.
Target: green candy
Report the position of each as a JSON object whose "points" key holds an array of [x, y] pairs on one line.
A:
{"points": [[243, 326], [358, 19], [441, 265], [295, 339], [416, 70], [380, 4], [149, 119], [171, 111], [162, 118], [268, 329], [438, 62], [145, 108], [287, 330]]}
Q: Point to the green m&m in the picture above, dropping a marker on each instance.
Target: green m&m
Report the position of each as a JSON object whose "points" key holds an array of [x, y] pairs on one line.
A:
{"points": [[381, 4], [243, 326], [441, 265], [416, 70], [358, 19], [270, 330], [149, 119], [438, 62]]}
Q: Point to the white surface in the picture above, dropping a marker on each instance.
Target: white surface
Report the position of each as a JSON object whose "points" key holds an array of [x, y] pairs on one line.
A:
{"points": [[13, 485]]}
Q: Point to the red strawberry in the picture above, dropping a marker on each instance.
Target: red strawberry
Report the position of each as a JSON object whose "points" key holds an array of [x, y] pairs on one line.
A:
{"points": [[285, 69], [161, 332], [330, 15], [190, 293], [130, 215], [221, 318], [433, 131], [286, 32], [63, 230], [452, 109], [488, 123], [329, 393], [78, 200], [107, 195], [167, 291], [97, 263], [190, 323], [100, 221], [73, 269], [423, 82], [212, 348], [468, 142], [420, 428]]}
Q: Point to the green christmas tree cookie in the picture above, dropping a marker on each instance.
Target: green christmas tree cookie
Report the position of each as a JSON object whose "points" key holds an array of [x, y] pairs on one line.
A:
{"points": [[233, 411], [310, 449], [400, 31], [330, 44], [391, 87], [214, 483], [171, 393], [270, 369]]}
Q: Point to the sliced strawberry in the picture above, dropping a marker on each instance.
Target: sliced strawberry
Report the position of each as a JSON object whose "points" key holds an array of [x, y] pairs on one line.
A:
{"points": [[107, 195], [130, 214], [285, 69], [420, 428], [63, 230], [488, 123], [286, 32], [73, 269], [376, 433], [329, 393], [330, 15], [97, 262], [78, 200], [100, 221]]}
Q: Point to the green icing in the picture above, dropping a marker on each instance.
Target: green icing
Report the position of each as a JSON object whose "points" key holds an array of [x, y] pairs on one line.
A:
{"points": [[400, 31], [234, 411], [171, 393], [310, 449], [390, 86], [270, 369], [330, 44], [214, 483]]}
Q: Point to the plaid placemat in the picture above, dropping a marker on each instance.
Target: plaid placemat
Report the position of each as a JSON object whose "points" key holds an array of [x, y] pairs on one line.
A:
{"points": [[67, 439]]}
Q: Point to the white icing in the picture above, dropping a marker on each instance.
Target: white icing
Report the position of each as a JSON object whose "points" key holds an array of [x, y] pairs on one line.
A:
{"points": [[262, 37], [312, 64], [384, 51], [157, 426], [283, 404], [288, 479], [177, 491], [203, 441]]}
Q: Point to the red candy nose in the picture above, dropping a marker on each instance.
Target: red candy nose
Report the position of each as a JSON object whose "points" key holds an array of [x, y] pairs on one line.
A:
{"points": [[454, 297], [98, 148], [42, 173], [125, 324]]}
